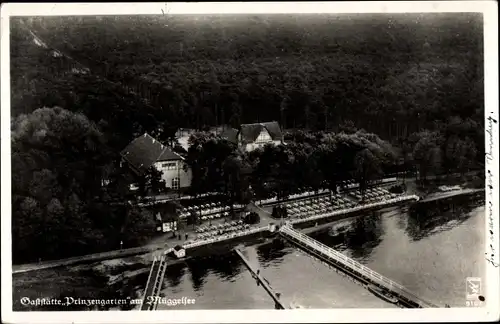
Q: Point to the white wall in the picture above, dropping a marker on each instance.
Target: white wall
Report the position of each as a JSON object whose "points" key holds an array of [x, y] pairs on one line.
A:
{"points": [[168, 175], [253, 146]]}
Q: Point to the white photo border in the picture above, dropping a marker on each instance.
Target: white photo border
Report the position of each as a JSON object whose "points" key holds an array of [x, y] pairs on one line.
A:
{"points": [[489, 9]]}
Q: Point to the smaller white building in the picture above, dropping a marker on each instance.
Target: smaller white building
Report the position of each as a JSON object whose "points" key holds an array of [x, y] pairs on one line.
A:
{"points": [[252, 136], [179, 251]]}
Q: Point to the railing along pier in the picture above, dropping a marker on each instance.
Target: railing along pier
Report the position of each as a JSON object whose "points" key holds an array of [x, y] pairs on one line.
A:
{"points": [[261, 280], [353, 268], [154, 283]]}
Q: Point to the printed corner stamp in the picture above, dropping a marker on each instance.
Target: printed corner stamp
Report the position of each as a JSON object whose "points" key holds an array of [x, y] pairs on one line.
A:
{"points": [[473, 288], [473, 291]]}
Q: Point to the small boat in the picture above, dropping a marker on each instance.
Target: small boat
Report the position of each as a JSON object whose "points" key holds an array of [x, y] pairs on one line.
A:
{"points": [[379, 293], [340, 228]]}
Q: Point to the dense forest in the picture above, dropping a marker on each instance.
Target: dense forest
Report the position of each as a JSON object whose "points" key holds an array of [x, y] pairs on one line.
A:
{"points": [[332, 81], [314, 161]]}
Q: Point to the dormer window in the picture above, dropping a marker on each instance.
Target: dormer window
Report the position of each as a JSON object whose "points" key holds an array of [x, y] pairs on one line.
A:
{"points": [[169, 166]]}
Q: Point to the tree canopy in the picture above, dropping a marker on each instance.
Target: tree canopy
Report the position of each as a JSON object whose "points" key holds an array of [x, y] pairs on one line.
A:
{"points": [[357, 96], [59, 159], [320, 161]]}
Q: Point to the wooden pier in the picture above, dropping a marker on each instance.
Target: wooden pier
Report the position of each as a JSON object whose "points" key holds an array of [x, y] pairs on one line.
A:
{"points": [[158, 268], [154, 283], [354, 269], [261, 280]]}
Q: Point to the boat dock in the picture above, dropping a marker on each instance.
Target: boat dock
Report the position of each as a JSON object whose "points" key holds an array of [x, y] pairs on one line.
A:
{"points": [[261, 280], [447, 195], [354, 269], [154, 283]]}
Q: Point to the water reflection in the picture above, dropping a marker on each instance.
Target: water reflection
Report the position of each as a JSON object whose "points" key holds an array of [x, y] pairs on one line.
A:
{"points": [[363, 234], [273, 252], [434, 217], [401, 217], [199, 272], [227, 266], [174, 275]]}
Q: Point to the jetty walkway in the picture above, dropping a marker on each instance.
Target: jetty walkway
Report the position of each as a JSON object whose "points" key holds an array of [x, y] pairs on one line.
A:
{"points": [[154, 283], [353, 268], [261, 280], [451, 194]]}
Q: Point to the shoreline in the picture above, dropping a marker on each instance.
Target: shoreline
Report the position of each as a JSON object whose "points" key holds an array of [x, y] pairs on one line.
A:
{"points": [[125, 276], [145, 250], [445, 195], [301, 224]]}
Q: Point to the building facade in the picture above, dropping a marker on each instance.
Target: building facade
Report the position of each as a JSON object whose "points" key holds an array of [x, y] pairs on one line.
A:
{"points": [[145, 152], [175, 173], [253, 136]]}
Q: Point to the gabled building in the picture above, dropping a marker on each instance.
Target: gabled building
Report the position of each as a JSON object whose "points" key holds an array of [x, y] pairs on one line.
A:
{"points": [[252, 136], [145, 152]]}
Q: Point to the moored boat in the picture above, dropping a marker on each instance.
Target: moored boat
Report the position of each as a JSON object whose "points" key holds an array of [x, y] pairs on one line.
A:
{"points": [[339, 228], [380, 293]]}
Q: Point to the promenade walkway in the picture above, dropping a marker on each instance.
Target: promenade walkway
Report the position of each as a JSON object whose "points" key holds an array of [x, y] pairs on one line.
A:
{"points": [[96, 257], [444, 195]]}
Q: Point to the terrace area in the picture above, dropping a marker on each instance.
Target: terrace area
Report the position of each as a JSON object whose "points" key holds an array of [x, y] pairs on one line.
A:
{"points": [[317, 205], [215, 219], [372, 195], [209, 231], [209, 211]]}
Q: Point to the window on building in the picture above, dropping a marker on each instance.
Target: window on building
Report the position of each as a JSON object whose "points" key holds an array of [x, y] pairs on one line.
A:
{"points": [[263, 137], [169, 166], [176, 183]]}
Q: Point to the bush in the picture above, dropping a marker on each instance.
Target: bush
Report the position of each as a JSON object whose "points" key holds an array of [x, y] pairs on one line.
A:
{"points": [[193, 219], [279, 212], [398, 189], [233, 215], [477, 182], [274, 214], [252, 218]]}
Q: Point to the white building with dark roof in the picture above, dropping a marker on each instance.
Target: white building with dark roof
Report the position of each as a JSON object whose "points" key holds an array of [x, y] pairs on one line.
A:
{"points": [[145, 152], [252, 136]]}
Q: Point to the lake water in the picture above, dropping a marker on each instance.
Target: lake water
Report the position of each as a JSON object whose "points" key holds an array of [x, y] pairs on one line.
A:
{"points": [[431, 253]]}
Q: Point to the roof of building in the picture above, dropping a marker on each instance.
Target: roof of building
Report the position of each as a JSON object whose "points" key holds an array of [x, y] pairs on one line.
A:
{"points": [[144, 151], [250, 132], [230, 134]]}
